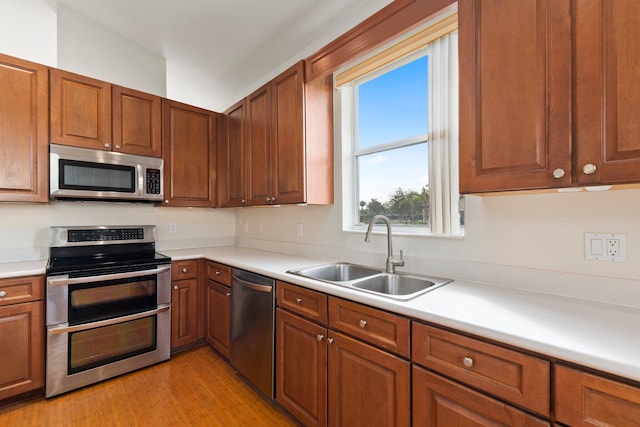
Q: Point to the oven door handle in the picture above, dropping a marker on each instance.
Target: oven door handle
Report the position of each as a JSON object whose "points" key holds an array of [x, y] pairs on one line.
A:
{"points": [[64, 329], [65, 280]]}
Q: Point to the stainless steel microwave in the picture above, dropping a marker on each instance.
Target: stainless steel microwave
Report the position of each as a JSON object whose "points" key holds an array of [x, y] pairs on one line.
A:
{"points": [[85, 174]]}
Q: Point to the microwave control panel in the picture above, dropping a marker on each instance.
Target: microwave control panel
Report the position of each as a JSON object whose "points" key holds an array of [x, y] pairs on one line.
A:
{"points": [[153, 181]]}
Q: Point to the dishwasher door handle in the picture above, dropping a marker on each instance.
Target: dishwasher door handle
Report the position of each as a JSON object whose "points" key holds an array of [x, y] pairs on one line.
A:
{"points": [[254, 286]]}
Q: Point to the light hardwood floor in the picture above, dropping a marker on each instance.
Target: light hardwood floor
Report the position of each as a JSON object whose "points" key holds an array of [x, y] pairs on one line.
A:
{"points": [[194, 388]]}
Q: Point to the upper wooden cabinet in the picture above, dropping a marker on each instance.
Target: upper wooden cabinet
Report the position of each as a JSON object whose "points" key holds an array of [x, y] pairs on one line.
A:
{"points": [[90, 113], [189, 152], [607, 94], [535, 113], [515, 94], [24, 145], [271, 153]]}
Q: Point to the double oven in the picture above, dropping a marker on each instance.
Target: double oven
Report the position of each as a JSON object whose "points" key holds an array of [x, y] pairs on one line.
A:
{"points": [[108, 304]]}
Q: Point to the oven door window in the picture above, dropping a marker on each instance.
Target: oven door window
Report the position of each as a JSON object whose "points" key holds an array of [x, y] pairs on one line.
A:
{"points": [[78, 175], [95, 347], [94, 301]]}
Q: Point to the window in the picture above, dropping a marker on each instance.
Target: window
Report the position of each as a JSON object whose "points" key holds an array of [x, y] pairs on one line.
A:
{"points": [[399, 131]]}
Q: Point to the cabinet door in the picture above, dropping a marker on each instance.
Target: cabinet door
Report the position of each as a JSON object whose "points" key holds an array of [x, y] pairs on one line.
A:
{"points": [[515, 94], [137, 122], [438, 402], [367, 386], [607, 95], [80, 111], [24, 132], [288, 136], [260, 159], [188, 146], [22, 344], [218, 321], [301, 368], [232, 158], [184, 313], [583, 399]]}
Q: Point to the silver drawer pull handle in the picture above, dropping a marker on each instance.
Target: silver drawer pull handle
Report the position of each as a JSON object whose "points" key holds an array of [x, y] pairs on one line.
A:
{"points": [[320, 337], [363, 323], [217, 273], [3, 294], [299, 300], [468, 362]]}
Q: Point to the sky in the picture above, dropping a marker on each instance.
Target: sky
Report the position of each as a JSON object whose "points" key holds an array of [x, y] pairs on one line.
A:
{"points": [[393, 107]]}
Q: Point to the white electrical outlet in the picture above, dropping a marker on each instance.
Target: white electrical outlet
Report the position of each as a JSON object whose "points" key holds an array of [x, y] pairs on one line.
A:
{"points": [[299, 231], [605, 247], [173, 227]]}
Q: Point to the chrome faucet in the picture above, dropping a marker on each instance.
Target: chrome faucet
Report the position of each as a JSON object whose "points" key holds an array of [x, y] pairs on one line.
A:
{"points": [[392, 263]]}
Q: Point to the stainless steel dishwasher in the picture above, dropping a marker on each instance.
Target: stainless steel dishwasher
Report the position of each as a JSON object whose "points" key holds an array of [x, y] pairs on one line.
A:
{"points": [[252, 329]]}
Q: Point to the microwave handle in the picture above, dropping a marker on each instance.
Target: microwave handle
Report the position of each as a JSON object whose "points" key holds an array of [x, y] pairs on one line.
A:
{"points": [[65, 280]]}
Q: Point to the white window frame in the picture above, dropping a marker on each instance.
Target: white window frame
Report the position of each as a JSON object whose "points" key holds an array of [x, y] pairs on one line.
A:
{"points": [[442, 144]]}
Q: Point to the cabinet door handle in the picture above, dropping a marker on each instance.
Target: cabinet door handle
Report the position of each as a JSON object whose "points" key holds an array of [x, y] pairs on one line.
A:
{"points": [[184, 269], [558, 173], [589, 168], [467, 362], [320, 337], [217, 273], [298, 300], [228, 294], [175, 287], [3, 294], [117, 147], [363, 323], [330, 340], [106, 145]]}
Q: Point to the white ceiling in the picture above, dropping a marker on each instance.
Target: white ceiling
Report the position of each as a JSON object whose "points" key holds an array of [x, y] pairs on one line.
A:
{"points": [[242, 43]]}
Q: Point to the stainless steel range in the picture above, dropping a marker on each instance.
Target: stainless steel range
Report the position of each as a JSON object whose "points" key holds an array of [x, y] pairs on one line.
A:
{"points": [[108, 304]]}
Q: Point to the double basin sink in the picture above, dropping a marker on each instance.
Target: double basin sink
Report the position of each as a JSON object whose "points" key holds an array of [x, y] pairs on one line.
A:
{"points": [[399, 286]]}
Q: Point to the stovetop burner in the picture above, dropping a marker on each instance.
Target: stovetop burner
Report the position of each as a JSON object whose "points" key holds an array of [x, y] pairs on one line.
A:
{"points": [[102, 249]]}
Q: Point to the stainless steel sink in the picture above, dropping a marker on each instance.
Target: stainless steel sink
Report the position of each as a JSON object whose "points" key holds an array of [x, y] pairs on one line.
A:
{"points": [[337, 272], [399, 286]]}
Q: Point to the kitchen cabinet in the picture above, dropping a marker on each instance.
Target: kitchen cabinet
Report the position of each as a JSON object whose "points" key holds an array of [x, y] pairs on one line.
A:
{"points": [[326, 377], [586, 399], [607, 97], [278, 145], [90, 113], [218, 307], [232, 155], [439, 402], [516, 377], [24, 131], [189, 153], [21, 335], [185, 317], [515, 94], [536, 113]]}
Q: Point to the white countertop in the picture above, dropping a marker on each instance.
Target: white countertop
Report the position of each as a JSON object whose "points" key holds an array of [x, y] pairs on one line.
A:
{"points": [[601, 336]]}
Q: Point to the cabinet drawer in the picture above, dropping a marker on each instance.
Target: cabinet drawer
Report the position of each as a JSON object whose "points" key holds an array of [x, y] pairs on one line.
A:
{"points": [[219, 272], [184, 269], [521, 379], [440, 402], [21, 289], [583, 399], [378, 327], [305, 302]]}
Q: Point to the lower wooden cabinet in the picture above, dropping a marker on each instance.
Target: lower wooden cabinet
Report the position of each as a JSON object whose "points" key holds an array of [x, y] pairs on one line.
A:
{"points": [[184, 313], [583, 399], [325, 377], [218, 317], [367, 386], [301, 368], [439, 402], [21, 335]]}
